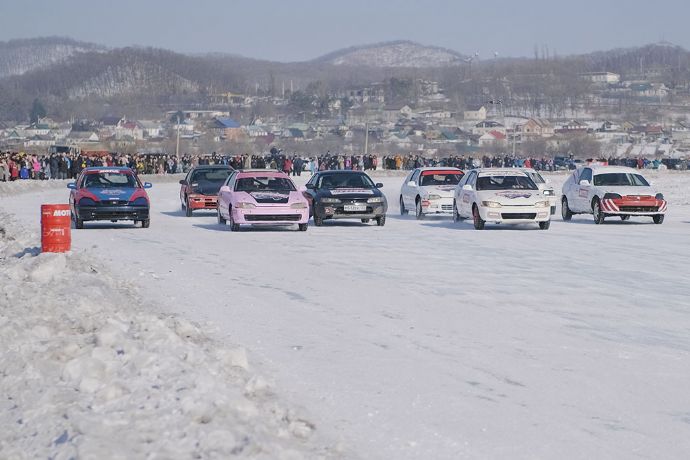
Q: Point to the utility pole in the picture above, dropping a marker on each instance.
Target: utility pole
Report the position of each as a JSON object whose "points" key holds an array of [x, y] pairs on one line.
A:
{"points": [[514, 137], [177, 146]]}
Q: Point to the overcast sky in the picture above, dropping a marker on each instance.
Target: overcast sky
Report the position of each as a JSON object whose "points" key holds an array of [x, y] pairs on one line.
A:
{"points": [[295, 30]]}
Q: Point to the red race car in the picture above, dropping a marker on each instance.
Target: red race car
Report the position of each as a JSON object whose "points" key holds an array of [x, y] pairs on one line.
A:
{"points": [[199, 190]]}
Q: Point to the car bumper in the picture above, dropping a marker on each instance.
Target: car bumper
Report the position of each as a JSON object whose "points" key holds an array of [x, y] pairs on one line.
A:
{"points": [[337, 211], [623, 207], [202, 201], [442, 206], [523, 215], [87, 213], [270, 216]]}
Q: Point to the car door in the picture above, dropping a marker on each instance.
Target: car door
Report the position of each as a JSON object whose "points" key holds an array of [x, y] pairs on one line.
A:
{"points": [[583, 189], [404, 188], [467, 196], [184, 188], [411, 189], [224, 194], [310, 193]]}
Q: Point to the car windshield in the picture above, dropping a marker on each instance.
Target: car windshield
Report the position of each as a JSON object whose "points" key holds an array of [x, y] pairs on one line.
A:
{"points": [[440, 179], [331, 181], [211, 175], [620, 179], [264, 184], [536, 177], [109, 179], [505, 183]]}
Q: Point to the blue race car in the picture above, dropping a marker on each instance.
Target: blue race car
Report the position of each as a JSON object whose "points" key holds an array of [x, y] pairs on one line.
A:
{"points": [[109, 193]]}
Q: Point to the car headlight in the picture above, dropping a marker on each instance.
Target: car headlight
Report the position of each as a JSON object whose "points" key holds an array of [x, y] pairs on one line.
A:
{"points": [[542, 204], [376, 199], [612, 196], [87, 202], [141, 201], [330, 200], [434, 197], [491, 204], [300, 205], [548, 192], [245, 205], [658, 196]]}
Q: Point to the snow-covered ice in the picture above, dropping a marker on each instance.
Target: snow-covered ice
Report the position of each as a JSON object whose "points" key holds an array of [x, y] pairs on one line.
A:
{"points": [[420, 339]]}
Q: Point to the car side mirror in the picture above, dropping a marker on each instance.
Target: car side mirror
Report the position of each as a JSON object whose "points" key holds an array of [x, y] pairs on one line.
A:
{"points": [[148, 185], [411, 184], [72, 185], [584, 182], [224, 189], [467, 187], [379, 185], [182, 182], [310, 186]]}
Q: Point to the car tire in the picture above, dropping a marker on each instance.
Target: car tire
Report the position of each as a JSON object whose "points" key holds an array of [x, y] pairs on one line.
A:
{"points": [[403, 211], [658, 219], [78, 223], [544, 225], [221, 219], [234, 227], [456, 214], [566, 213], [318, 221], [365, 221], [381, 221], [478, 222], [624, 218], [303, 227], [188, 210], [146, 223], [418, 209], [597, 213]]}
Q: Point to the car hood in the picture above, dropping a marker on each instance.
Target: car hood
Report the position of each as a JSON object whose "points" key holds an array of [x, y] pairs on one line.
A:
{"points": [[268, 198], [206, 188], [112, 194], [638, 191], [445, 191], [512, 197], [349, 193]]}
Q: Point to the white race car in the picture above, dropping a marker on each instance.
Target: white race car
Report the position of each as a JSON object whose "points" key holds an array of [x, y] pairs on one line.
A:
{"points": [[429, 191], [544, 185], [611, 191], [504, 195]]}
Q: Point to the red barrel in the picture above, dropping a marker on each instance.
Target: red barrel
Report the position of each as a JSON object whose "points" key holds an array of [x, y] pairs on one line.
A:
{"points": [[56, 222]]}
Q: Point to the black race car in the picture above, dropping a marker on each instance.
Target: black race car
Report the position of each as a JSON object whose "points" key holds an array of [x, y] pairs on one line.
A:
{"points": [[345, 195]]}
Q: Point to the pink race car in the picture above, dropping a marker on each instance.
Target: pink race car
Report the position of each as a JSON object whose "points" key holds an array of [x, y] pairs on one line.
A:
{"points": [[261, 197]]}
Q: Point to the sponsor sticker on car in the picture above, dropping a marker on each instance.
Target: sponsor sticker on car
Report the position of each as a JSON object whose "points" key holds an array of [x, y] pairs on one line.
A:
{"points": [[347, 191]]}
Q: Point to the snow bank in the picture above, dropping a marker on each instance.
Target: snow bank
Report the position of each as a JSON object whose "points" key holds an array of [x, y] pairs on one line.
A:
{"points": [[87, 373]]}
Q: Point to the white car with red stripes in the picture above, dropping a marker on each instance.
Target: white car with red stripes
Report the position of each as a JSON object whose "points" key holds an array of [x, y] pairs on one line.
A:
{"points": [[429, 191], [606, 191]]}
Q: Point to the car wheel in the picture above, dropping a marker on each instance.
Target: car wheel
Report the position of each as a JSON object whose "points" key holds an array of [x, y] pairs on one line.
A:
{"points": [[234, 227], [381, 221], [658, 219], [456, 214], [145, 223], [478, 222], [303, 227], [403, 211], [188, 210], [624, 218], [597, 213], [221, 219], [418, 209], [79, 223], [365, 221], [566, 213], [545, 225]]}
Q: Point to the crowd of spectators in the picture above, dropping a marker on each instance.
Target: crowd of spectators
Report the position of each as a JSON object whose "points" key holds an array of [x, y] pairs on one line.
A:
{"points": [[67, 165]]}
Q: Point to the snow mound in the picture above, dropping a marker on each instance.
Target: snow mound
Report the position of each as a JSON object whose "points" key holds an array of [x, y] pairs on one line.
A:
{"points": [[87, 373]]}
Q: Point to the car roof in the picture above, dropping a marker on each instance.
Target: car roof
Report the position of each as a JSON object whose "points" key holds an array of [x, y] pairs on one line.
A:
{"points": [[261, 173], [500, 171], [212, 167], [440, 168], [603, 169], [341, 171], [95, 169]]}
